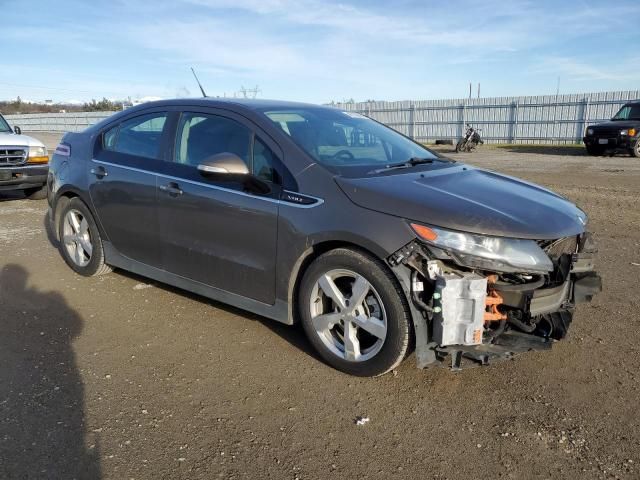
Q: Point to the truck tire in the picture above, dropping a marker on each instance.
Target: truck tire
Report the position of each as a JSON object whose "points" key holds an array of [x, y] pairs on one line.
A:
{"points": [[636, 149], [354, 313]]}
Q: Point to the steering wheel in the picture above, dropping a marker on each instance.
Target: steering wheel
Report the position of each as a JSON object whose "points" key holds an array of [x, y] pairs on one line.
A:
{"points": [[344, 154]]}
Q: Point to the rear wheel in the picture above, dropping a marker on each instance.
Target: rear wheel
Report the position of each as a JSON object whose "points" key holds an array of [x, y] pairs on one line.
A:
{"points": [[37, 193], [354, 313], [80, 242]]}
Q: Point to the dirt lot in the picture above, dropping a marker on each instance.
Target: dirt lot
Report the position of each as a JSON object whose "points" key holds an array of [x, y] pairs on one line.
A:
{"points": [[111, 377]]}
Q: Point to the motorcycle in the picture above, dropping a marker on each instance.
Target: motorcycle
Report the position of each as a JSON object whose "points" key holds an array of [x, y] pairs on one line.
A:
{"points": [[470, 140]]}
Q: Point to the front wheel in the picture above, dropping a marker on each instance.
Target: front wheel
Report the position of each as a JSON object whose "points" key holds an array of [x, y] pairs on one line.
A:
{"points": [[460, 145], [354, 313], [636, 149]]}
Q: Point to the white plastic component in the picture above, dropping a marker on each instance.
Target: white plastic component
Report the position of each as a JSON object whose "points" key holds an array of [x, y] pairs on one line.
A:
{"points": [[459, 306]]}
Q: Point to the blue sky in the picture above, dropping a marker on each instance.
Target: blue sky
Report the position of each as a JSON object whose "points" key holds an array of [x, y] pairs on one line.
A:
{"points": [[316, 50]]}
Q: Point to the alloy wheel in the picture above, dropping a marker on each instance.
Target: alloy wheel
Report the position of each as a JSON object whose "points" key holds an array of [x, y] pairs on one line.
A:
{"points": [[348, 315], [77, 238]]}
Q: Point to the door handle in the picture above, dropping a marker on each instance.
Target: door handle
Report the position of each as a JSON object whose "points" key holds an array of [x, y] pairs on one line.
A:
{"points": [[99, 172], [172, 189]]}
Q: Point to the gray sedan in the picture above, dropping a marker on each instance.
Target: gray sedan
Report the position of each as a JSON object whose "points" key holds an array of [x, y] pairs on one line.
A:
{"points": [[313, 215]]}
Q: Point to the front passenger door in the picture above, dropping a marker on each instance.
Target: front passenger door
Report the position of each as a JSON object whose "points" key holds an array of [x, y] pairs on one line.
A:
{"points": [[216, 231]]}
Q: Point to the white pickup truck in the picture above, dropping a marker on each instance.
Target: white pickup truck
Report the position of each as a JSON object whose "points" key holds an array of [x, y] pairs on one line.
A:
{"points": [[24, 162]]}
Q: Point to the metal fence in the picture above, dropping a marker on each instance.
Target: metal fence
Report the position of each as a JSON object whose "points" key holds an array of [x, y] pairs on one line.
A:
{"points": [[56, 122], [538, 119]]}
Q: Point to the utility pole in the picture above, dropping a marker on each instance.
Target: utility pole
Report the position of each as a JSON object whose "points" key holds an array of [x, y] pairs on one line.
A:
{"points": [[470, 87], [250, 92], [478, 89]]}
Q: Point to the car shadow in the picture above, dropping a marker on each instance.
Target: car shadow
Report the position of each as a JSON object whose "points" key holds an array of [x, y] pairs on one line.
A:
{"points": [[42, 419], [569, 150], [11, 195], [290, 333]]}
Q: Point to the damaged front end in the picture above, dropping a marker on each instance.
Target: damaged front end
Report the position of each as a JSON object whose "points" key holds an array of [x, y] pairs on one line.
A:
{"points": [[486, 298]]}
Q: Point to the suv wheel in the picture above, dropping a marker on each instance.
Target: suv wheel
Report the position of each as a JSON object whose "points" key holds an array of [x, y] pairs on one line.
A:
{"points": [[80, 242], [636, 149], [354, 313]]}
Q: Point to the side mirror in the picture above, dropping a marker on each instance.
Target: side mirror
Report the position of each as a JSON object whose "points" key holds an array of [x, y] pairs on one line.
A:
{"points": [[231, 167], [224, 163], [18, 130]]}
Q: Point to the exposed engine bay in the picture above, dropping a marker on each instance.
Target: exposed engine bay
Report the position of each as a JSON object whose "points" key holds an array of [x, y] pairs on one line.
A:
{"points": [[480, 315]]}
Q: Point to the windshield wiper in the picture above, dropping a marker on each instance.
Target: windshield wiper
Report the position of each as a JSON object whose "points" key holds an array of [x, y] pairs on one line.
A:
{"points": [[412, 162]]}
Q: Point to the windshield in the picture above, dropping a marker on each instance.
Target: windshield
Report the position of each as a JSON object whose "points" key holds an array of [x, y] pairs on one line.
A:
{"points": [[4, 126], [628, 112], [346, 142]]}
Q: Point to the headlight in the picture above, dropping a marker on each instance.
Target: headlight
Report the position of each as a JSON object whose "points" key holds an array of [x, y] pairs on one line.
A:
{"points": [[589, 131], [488, 253], [38, 155], [624, 133]]}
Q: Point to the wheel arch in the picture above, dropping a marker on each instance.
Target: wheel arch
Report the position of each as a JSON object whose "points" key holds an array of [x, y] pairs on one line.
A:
{"points": [[62, 198], [313, 252]]}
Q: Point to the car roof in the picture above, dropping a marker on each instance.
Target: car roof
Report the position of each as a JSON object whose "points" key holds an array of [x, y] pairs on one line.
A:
{"points": [[245, 103]]}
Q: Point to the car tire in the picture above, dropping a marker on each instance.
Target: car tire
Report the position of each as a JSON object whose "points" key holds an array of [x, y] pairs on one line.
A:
{"points": [[636, 149], [37, 193], [80, 241], [365, 339], [595, 151]]}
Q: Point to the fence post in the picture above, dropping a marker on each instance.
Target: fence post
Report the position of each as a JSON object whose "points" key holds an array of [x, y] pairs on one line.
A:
{"points": [[464, 120], [412, 122], [514, 124], [585, 119]]}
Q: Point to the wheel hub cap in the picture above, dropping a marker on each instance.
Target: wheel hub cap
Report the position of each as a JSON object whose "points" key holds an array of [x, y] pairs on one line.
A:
{"points": [[348, 315], [76, 238]]}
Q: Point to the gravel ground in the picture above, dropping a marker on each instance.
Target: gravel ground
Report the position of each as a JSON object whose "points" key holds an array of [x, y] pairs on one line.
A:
{"points": [[114, 377]]}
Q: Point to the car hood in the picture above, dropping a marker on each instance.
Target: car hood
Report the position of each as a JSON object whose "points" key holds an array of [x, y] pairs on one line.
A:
{"points": [[621, 124], [468, 199], [14, 140]]}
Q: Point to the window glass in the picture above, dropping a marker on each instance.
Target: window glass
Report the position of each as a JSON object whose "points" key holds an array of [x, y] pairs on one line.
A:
{"points": [[138, 136], [628, 112], [4, 126], [202, 136], [346, 141], [264, 162], [109, 139]]}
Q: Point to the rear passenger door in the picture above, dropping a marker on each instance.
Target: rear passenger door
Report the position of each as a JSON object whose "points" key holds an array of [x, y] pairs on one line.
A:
{"points": [[122, 184], [218, 231]]}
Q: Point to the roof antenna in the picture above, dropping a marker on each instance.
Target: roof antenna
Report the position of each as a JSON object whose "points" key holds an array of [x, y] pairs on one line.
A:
{"points": [[196, 77]]}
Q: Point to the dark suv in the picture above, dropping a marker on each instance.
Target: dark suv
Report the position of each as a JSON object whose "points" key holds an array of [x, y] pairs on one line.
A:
{"points": [[310, 214], [620, 134]]}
